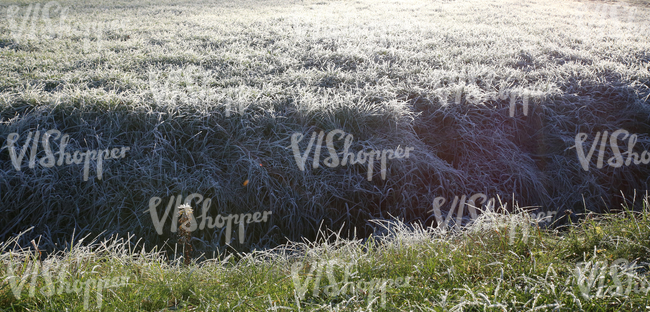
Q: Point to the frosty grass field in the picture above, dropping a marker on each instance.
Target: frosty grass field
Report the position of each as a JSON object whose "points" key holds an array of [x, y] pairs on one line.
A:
{"points": [[336, 155]]}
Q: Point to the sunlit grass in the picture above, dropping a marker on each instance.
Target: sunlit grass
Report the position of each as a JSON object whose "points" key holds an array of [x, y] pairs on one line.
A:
{"points": [[410, 73], [491, 265]]}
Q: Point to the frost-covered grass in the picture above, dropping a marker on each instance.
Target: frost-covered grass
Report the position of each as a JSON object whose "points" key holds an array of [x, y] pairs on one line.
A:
{"points": [[207, 95], [500, 263]]}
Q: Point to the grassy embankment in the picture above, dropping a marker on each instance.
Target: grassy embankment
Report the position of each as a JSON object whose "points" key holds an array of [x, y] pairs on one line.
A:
{"points": [[387, 72], [502, 262]]}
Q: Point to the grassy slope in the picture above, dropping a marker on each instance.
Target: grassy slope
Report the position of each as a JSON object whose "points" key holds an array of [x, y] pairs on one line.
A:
{"points": [[482, 268], [387, 72]]}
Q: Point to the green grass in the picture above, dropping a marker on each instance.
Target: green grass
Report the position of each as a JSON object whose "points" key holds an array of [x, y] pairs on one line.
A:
{"points": [[480, 268], [208, 93]]}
